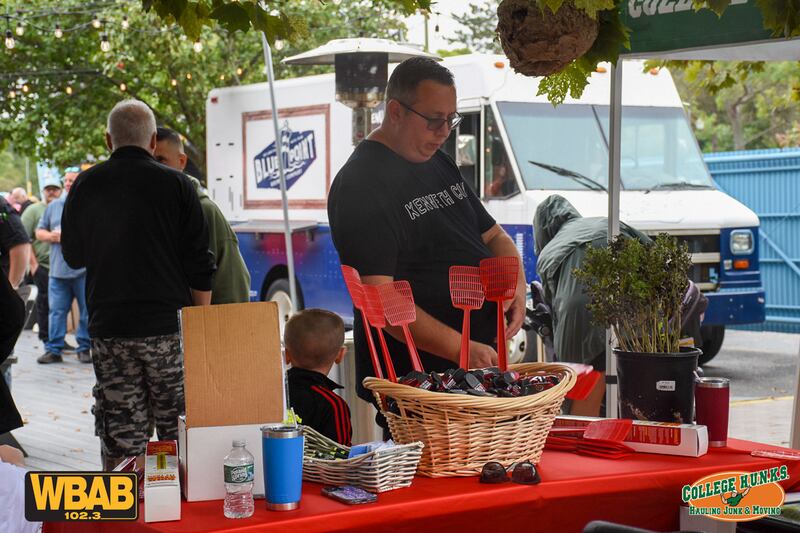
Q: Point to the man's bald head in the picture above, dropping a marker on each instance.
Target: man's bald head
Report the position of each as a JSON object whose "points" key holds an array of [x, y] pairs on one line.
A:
{"points": [[18, 195], [131, 123]]}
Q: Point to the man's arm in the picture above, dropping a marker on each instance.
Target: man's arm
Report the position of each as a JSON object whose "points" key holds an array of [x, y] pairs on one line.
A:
{"points": [[33, 263], [433, 336], [201, 297], [500, 244], [18, 260]]}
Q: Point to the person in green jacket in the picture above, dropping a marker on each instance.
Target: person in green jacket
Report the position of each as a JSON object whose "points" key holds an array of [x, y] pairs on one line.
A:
{"points": [[40, 259], [232, 280], [561, 238]]}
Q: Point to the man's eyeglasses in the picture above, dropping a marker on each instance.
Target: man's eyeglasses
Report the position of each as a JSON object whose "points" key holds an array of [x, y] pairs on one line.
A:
{"points": [[435, 123]]}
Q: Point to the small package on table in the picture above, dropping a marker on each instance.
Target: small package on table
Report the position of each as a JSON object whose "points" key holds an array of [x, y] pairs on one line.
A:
{"points": [[162, 491], [666, 438]]}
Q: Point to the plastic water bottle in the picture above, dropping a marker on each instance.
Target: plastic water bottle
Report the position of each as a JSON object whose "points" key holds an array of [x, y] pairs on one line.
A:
{"points": [[239, 474]]}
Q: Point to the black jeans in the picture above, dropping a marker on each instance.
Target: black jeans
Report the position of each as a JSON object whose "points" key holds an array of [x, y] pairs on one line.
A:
{"points": [[42, 307]]}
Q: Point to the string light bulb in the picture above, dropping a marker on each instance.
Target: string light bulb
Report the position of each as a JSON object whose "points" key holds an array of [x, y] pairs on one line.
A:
{"points": [[188, 75], [58, 33], [20, 29], [123, 87], [222, 77], [96, 22], [278, 44], [239, 71], [68, 90], [197, 46], [125, 23], [10, 40], [173, 82], [25, 88], [105, 45], [12, 93]]}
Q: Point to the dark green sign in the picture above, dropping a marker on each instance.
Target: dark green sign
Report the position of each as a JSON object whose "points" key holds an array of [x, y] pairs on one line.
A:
{"points": [[662, 25]]}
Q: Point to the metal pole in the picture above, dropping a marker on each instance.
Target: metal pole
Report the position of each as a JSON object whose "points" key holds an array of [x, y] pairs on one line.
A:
{"points": [[615, 124], [426, 17], [28, 175], [279, 152]]}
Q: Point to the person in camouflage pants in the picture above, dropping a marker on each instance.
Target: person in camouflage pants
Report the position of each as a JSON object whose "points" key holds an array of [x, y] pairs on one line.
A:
{"points": [[139, 230], [123, 399]]}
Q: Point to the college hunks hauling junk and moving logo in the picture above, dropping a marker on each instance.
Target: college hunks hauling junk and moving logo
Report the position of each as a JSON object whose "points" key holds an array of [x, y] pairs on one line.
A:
{"points": [[737, 496], [299, 152]]}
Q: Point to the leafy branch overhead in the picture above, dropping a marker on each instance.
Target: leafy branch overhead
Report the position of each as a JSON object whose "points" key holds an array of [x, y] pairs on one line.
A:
{"points": [[782, 18], [270, 17]]}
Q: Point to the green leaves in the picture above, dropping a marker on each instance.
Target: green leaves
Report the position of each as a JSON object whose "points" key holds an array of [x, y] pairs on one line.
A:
{"points": [[233, 16], [574, 77], [637, 290], [592, 7]]}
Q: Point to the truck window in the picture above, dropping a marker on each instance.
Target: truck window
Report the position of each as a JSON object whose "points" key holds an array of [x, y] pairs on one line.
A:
{"points": [[462, 146], [658, 149], [559, 148], [499, 180]]}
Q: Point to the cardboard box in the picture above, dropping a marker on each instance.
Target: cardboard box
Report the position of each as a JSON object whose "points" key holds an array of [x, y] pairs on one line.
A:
{"points": [[202, 451], [162, 492], [666, 438], [234, 384]]}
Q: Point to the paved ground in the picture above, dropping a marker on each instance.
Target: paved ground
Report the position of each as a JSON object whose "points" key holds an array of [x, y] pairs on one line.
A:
{"points": [[55, 400]]}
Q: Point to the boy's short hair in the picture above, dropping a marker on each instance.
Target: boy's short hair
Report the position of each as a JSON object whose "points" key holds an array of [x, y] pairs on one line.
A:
{"points": [[314, 337]]}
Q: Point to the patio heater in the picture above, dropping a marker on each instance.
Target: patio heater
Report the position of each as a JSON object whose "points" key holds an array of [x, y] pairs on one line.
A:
{"points": [[361, 67]]}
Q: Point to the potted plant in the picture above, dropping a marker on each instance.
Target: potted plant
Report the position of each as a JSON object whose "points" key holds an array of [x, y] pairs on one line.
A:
{"points": [[637, 290]]}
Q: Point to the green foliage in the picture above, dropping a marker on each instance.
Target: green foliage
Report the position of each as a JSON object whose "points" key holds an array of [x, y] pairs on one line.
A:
{"points": [[477, 29], [50, 125], [276, 18], [574, 77], [739, 105], [637, 289], [591, 7], [453, 52], [12, 170]]}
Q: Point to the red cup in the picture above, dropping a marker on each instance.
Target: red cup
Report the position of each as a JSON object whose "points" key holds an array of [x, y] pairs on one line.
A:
{"points": [[712, 406]]}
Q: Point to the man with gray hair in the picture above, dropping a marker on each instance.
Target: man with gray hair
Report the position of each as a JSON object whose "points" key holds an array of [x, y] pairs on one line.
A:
{"points": [[138, 228]]}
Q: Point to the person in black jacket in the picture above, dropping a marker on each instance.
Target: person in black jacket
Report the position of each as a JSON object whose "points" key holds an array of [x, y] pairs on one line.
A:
{"points": [[137, 227], [314, 341]]}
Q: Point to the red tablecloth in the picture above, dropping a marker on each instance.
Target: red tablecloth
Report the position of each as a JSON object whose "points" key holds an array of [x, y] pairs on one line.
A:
{"points": [[642, 490]]}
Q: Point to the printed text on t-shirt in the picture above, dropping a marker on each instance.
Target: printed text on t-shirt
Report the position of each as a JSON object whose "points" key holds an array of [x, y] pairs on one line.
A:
{"points": [[423, 204]]}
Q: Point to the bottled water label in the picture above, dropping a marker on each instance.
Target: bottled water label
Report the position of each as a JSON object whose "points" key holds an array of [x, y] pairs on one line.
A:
{"points": [[239, 474]]}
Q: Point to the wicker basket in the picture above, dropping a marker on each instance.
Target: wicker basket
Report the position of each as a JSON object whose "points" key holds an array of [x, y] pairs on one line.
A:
{"points": [[378, 471], [462, 433]]}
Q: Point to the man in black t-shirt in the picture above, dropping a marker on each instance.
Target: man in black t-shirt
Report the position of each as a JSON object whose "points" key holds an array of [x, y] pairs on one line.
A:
{"points": [[399, 209], [14, 244]]}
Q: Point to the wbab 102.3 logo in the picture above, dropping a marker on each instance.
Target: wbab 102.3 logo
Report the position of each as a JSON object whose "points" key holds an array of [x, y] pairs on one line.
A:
{"points": [[79, 496], [737, 496]]}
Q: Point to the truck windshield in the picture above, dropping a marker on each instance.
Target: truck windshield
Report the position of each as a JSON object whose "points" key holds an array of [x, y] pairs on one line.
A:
{"points": [[567, 147]]}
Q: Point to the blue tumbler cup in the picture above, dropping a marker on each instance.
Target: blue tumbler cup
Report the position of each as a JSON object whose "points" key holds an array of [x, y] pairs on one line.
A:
{"points": [[282, 448]]}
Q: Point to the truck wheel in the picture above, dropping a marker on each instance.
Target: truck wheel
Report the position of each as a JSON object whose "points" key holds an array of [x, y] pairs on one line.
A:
{"points": [[280, 293], [522, 347], [712, 342]]}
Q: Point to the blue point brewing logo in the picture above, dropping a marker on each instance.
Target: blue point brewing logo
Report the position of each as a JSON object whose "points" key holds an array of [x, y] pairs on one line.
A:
{"points": [[299, 151]]}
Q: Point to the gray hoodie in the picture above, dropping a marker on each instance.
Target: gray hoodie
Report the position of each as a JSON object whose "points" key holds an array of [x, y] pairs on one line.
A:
{"points": [[561, 238]]}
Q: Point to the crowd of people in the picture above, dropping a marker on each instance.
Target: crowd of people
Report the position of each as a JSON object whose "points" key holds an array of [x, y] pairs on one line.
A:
{"points": [[133, 239]]}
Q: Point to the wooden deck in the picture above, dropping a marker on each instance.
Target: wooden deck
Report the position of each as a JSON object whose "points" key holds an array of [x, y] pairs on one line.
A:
{"points": [[55, 401]]}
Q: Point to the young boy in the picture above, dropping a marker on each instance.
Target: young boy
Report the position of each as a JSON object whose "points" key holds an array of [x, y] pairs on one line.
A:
{"points": [[314, 341]]}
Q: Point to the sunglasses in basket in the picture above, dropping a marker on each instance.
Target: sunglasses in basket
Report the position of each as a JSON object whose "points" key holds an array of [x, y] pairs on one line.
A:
{"points": [[524, 473]]}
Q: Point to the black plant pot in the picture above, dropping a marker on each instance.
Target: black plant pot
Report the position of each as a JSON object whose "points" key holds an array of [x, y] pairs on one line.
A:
{"points": [[658, 387]]}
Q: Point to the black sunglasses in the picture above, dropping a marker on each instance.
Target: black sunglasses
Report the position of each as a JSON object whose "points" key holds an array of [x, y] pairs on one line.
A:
{"points": [[435, 123], [524, 473]]}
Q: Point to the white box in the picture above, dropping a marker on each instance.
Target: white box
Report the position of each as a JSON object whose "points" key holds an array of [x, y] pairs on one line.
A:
{"points": [[162, 492], [202, 450], [665, 438]]}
